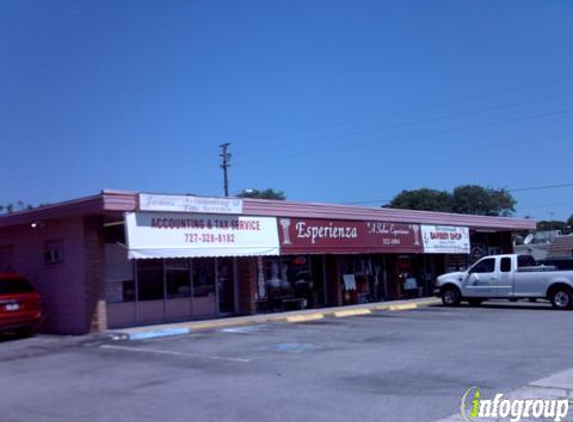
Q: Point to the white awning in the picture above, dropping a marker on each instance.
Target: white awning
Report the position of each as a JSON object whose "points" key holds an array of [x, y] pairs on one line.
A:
{"points": [[185, 235]]}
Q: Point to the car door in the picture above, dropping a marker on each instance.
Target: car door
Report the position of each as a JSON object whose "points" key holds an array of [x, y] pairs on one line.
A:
{"points": [[504, 286], [481, 280]]}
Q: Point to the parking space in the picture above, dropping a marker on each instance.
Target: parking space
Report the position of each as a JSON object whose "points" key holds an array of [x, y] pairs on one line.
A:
{"points": [[392, 366]]}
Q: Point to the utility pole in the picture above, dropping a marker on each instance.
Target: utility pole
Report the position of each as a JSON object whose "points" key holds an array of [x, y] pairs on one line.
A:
{"points": [[226, 156]]}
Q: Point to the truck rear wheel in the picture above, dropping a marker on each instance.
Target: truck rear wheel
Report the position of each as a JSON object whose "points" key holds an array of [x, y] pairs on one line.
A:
{"points": [[451, 296], [561, 298]]}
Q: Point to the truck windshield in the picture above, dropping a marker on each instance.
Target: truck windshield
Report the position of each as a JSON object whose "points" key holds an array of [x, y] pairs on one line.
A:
{"points": [[484, 266]]}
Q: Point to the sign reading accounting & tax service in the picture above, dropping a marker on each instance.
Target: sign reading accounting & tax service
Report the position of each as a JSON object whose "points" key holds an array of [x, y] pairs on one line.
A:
{"points": [[183, 235]]}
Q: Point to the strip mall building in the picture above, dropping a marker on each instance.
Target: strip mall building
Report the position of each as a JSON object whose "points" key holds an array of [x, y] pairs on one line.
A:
{"points": [[120, 259]]}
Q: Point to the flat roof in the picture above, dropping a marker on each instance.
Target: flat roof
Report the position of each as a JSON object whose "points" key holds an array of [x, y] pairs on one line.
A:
{"points": [[116, 201]]}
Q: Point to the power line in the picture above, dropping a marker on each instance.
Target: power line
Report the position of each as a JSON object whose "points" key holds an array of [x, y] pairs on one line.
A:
{"points": [[532, 188], [413, 109], [410, 123], [565, 185], [393, 113], [558, 204], [447, 131]]}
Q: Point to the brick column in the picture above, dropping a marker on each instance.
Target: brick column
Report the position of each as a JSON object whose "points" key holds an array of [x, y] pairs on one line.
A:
{"points": [[94, 262], [334, 280], [247, 284]]}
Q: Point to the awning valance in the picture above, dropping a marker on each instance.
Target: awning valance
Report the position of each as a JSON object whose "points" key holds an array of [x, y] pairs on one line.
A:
{"points": [[185, 235]]}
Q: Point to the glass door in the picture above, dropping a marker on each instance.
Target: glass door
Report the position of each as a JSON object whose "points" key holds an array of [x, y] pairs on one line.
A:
{"points": [[178, 289], [204, 292]]}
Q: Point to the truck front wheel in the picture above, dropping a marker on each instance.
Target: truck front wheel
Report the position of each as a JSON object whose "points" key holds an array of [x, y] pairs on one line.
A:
{"points": [[451, 296], [561, 298]]}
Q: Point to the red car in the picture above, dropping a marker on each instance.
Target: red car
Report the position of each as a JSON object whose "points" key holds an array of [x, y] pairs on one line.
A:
{"points": [[20, 308]]}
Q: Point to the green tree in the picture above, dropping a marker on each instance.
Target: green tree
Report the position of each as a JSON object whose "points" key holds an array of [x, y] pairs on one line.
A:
{"points": [[20, 206], [551, 225], [477, 200], [465, 199], [263, 194], [423, 200]]}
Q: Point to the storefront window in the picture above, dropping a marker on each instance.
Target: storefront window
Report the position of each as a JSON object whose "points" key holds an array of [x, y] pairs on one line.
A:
{"points": [[357, 279], [119, 276], [277, 277], [150, 279], [290, 284], [203, 277], [178, 278], [120, 291]]}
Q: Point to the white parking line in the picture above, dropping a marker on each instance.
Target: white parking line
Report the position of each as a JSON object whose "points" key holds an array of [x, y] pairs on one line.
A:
{"points": [[249, 329], [170, 353]]}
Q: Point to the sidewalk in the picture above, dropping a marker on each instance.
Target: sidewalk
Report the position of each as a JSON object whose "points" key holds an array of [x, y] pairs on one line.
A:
{"points": [[164, 330], [555, 387]]}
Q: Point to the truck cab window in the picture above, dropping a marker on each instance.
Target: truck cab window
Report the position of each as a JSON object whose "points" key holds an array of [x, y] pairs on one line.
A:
{"points": [[484, 266], [525, 261], [505, 265]]}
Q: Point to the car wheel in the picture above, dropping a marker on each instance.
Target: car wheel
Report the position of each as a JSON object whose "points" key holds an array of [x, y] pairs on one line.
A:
{"points": [[561, 298], [451, 296], [475, 302]]}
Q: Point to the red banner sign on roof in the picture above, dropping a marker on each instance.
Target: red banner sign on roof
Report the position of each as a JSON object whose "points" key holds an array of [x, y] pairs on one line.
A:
{"points": [[336, 236]]}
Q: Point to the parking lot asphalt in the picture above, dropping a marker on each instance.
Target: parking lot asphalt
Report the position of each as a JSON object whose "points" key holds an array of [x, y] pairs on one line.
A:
{"points": [[403, 366]]}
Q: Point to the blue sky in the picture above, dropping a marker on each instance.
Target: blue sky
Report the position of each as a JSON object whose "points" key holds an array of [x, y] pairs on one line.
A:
{"points": [[329, 101]]}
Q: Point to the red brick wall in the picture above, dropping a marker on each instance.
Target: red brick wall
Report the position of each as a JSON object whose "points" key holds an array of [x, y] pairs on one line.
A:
{"points": [[247, 284]]}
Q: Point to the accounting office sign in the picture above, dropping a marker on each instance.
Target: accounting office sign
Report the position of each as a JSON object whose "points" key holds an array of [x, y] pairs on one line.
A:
{"points": [[184, 235], [189, 203]]}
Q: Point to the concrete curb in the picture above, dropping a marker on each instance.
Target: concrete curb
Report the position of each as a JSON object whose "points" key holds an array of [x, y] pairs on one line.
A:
{"points": [[167, 330], [304, 318], [353, 312], [403, 307]]}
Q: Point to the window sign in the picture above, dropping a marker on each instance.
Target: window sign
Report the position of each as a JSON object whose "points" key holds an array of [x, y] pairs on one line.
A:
{"points": [[446, 239], [349, 281]]}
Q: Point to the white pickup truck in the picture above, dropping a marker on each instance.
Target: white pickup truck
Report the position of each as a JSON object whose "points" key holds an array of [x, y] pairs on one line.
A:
{"points": [[510, 277]]}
